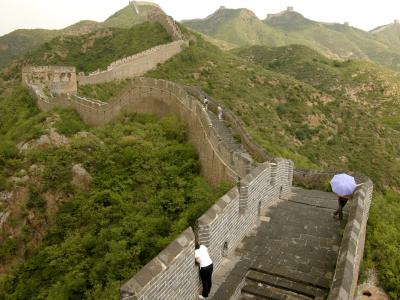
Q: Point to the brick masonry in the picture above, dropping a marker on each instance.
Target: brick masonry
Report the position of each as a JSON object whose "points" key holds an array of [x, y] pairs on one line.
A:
{"points": [[55, 79], [138, 64], [219, 162], [344, 284]]}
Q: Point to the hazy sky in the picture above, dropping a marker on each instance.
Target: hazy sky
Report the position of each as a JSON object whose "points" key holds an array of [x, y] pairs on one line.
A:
{"points": [[55, 14]]}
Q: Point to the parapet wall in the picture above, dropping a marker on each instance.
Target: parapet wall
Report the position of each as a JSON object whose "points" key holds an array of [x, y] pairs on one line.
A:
{"points": [[57, 79], [167, 22], [135, 65], [345, 280], [172, 274], [226, 223], [219, 162], [138, 64], [255, 150]]}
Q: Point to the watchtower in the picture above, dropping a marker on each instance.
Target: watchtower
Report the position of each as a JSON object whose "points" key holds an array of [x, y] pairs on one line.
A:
{"points": [[289, 8]]}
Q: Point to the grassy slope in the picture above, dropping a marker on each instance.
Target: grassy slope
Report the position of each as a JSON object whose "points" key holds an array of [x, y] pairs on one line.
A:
{"points": [[92, 51], [334, 115], [366, 92], [19, 41], [146, 189], [389, 35], [237, 26]]}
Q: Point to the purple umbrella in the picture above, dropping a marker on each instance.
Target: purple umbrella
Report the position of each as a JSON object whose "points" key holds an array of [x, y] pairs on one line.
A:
{"points": [[343, 184]]}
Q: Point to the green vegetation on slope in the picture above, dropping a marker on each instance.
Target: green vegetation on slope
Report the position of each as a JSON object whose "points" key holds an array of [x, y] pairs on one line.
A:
{"points": [[319, 112], [103, 91], [383, 241], [128, 16], [146, 190], [237, 26], [98, 49], [20, 41]]}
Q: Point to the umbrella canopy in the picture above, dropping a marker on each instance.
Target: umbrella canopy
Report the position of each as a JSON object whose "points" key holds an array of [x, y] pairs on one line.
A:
{"points": [[343, 184]]}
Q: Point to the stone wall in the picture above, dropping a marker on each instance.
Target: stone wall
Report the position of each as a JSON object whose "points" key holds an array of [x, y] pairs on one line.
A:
{"points": [[345, 280], [57, 79], [138, 64], [255, 150], [170, 275], [135, 65], [219, 162], [226, 223], [167, 22]]}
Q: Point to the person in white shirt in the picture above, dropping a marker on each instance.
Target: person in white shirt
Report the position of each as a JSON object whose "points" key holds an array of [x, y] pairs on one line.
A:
{"points": [[205, 102], [220, 112], [206, 268]]}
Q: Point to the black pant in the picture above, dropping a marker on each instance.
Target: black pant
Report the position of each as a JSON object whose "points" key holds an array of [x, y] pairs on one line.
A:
{"points": [[341, 202], [205, 275]]}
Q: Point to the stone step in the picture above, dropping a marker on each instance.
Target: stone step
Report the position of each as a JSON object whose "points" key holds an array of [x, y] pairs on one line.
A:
{"points": [[300, 288], [313, 278], [250, 297], [264, 291]]}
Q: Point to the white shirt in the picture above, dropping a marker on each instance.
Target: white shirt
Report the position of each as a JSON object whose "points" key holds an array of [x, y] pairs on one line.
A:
{"points": [[202, 255]]}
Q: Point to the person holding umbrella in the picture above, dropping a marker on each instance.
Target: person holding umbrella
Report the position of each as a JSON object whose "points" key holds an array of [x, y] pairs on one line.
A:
{"points": [[343, 185]]}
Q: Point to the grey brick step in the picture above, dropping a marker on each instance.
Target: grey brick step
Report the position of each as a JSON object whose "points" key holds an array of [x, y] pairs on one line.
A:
{"points": [[250, 297], [264, 291], [285, 284], [309, 278]]}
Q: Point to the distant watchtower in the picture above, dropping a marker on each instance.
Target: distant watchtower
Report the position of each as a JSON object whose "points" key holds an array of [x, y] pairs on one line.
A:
{"points": [[289, 8], [396, 21], [222, 7], [346, 23]]}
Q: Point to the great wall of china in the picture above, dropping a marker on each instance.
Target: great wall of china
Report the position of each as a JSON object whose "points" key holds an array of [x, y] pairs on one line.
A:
{"points": [[173, 274]]}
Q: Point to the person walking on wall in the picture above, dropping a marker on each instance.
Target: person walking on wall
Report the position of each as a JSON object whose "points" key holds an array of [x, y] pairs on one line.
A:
{"points": [[206, 268], [220, 112], [205, 102], [344, 186], [342, 200]]}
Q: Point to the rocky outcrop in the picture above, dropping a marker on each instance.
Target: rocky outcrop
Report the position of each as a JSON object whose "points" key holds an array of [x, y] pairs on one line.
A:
{"points": [[81, 179], [51, 139]]}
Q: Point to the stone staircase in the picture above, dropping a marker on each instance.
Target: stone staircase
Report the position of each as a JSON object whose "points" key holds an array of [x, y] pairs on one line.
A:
{"points": [[226, 133], [271, 286], [292, 254]]}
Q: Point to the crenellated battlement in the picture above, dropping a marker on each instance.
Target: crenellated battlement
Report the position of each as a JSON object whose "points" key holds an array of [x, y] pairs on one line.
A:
{"points": [[57, 79]]}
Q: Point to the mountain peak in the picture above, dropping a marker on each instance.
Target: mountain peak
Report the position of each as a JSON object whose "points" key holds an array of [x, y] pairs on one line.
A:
{"points": [[288, 19]]}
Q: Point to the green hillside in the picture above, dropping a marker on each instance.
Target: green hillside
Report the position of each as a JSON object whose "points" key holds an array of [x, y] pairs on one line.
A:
{"points": [[128, 16], [21, 41], [92, 51], [237, 26], [388, 34], [289, 27]]}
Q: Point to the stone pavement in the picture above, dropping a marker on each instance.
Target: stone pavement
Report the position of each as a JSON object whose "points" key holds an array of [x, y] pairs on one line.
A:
{"points": [[292, 254]]}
